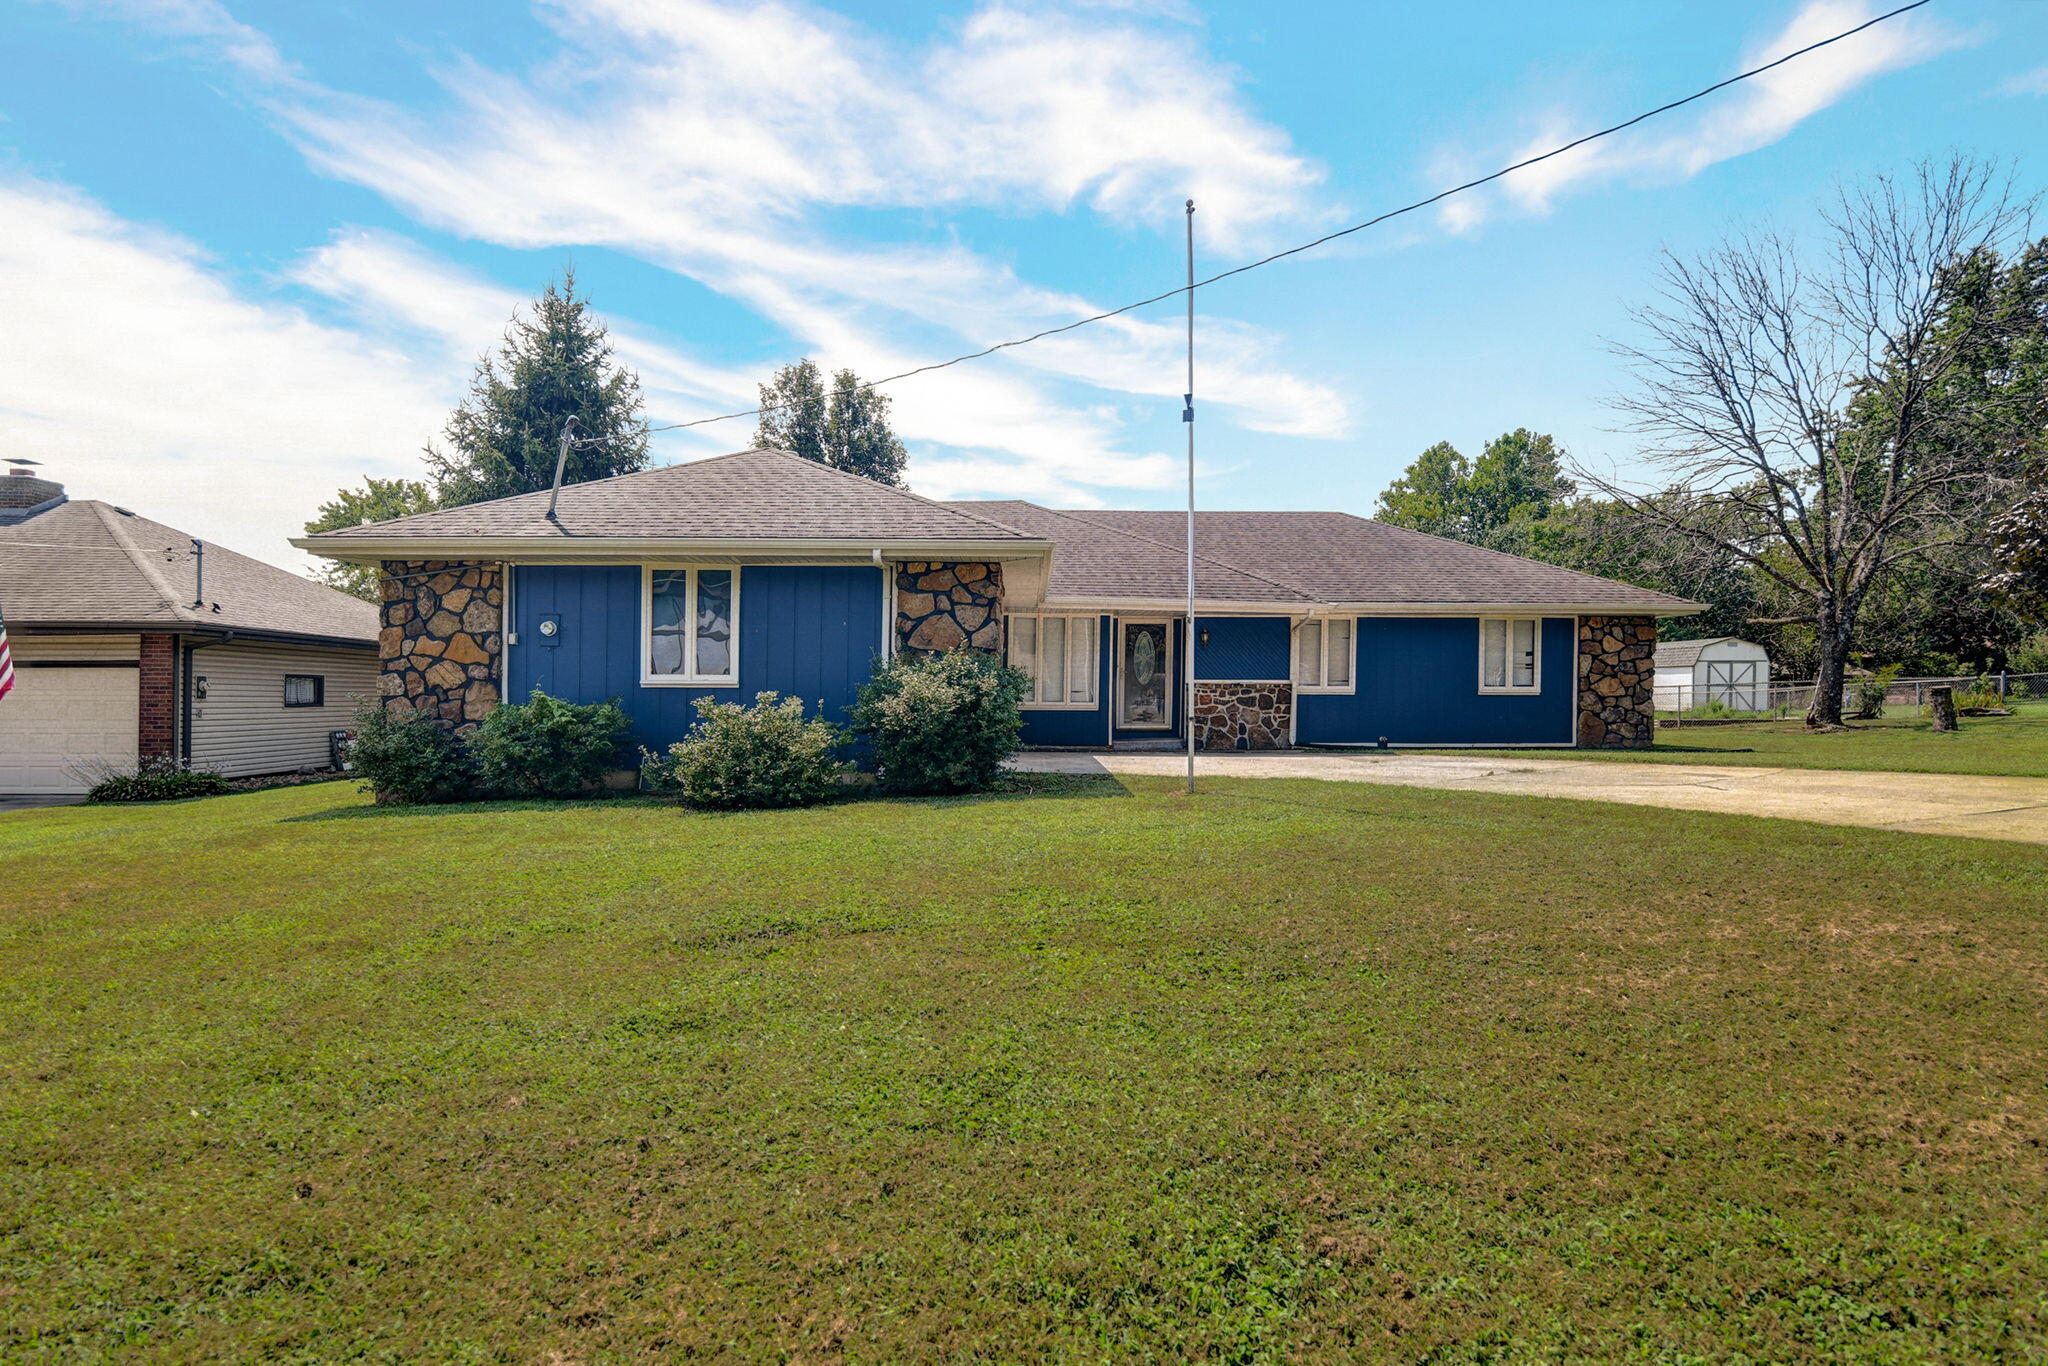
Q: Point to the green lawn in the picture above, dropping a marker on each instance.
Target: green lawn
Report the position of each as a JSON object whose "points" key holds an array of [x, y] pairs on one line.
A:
{"points": [[2016, 746], [1287, 1072]]}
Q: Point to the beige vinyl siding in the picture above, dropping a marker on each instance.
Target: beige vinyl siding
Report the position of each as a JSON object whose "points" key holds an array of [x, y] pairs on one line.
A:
{"points": [[38, 647], [243, 726]]}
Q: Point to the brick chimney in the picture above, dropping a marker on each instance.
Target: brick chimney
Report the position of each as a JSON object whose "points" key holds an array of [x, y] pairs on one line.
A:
{"points": [[22, 488]]}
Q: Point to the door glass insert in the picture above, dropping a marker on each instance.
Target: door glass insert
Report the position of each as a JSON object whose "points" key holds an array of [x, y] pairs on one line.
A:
{"points": [[1145, 676]]}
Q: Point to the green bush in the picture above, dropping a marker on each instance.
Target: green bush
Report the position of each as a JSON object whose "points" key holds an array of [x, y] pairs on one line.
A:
{"points": [[2030, 656], [408, 758], [546, 747], [941, 723], [158, 779], [1872, 690], [736, 757]]}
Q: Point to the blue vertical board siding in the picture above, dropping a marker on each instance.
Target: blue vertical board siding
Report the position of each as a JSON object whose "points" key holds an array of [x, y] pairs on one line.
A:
{"points": [[1076, 727], [1242, 649], [1418, 684], [809, 631]]}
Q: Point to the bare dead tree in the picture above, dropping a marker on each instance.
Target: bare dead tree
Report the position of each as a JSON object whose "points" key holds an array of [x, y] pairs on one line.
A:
{"points": [[1788, 401]]}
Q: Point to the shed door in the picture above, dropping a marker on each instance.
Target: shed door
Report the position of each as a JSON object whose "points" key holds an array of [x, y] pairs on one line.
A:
{"points": [[61, 727]]}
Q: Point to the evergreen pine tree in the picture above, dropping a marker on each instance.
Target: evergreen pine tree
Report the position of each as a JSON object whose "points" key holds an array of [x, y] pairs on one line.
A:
{"points": [[846, 427], [555, 362]]}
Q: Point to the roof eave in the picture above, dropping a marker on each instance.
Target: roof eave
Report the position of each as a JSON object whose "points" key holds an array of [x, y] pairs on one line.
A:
{"points": [[1306, 608], [569, 549]]}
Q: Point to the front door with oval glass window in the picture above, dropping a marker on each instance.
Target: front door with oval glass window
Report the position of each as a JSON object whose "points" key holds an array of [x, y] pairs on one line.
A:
{"points": [[1145, 676]]}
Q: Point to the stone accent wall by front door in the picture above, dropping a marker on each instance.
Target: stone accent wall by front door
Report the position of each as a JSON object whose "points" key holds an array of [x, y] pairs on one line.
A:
{"points": [[943, 606], [441, 639], [1617, 670], [1243, 715]]}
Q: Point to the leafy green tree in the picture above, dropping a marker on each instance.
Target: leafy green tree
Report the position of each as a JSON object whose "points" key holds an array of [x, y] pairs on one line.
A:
{"points": [[378, 500], [845, 426], [556, 362], [1431, 493], [1518, 478]]}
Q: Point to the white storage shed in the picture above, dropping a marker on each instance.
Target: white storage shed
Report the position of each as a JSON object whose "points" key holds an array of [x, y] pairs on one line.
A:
{"points": [[1692, 673]]}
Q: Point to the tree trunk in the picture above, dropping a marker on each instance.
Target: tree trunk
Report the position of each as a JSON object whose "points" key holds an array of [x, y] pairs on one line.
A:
{"points": [[1825, 711], [1941, 704]]}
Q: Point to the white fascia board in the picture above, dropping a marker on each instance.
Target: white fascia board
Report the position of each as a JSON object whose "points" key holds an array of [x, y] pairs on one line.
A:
{"points": [[634, 549], [1179, 607]]}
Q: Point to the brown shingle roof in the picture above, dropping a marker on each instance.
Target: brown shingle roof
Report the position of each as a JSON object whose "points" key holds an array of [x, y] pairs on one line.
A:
{"points": [[768, 494], [1318, 557], [88, 563]]}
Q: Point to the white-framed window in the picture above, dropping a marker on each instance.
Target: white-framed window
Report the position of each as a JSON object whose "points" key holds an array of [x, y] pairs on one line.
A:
{"points": [[689, 633], [1325, 654], [1510, 654], [1060, 655]]}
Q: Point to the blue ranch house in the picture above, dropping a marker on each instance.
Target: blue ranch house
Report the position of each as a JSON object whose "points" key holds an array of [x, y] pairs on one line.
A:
{"points": [[762, 571]]}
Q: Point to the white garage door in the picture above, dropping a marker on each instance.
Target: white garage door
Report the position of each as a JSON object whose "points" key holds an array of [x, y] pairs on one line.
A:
{"points": [[60, 724]]}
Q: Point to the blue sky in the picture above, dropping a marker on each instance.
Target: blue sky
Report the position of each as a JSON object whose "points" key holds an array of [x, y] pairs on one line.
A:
{"points": [[253, 247]]}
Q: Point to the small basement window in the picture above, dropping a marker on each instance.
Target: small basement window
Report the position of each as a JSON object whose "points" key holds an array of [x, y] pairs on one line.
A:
{"points": [[1509, 660], [1059, 654], [305, 690], [1323, 654]]}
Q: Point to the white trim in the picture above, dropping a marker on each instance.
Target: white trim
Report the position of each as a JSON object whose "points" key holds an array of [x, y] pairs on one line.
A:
{"points": [[1511, 689], [888, 569], [651, 679], [569, 549], [1116, 701], [1321, 689], [1149, 607], [1094, 658]]}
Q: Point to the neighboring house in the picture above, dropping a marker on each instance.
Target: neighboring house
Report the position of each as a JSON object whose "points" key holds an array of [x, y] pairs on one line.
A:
{"points": [[763, 571], [1692, 673], [114, 661]]}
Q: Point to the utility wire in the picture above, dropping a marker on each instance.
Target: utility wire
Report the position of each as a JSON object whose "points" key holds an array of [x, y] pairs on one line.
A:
{"points": [[1331, 236]]}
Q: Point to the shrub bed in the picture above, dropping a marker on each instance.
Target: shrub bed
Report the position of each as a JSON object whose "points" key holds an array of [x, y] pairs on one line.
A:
{"points": [[763, 756], [945, 723], [158, 779]]}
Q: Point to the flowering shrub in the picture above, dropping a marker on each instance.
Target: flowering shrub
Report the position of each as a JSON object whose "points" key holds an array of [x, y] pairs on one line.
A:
{"points": [[942, 723], [766, 755]]}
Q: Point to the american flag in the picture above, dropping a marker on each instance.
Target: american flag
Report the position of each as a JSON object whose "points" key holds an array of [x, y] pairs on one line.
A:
{"points": [[6, 661]]}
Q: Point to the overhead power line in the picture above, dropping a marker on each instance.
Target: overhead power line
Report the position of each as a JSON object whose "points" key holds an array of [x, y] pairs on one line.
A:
{"points": [[1377, 219]]}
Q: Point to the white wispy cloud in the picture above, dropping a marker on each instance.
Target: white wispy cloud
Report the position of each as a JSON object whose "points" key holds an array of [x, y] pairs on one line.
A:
{"points": [[2033, 82], [137, 374], [722, 141], [1754, 115]]}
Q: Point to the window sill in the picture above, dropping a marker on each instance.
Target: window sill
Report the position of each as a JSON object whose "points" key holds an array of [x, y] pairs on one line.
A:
{"points": [[1058, 706], [679, 681], [1309, 690], [1511, 692]]}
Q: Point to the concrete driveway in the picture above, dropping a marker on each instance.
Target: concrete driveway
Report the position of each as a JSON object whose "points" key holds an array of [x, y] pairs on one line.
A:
{"points": [[1925, 803]]}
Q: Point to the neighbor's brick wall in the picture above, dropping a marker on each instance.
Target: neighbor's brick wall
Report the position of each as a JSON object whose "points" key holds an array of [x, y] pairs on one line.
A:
{"points": [[1617, 671], [943, 606], [156, 717], [441, 639]]}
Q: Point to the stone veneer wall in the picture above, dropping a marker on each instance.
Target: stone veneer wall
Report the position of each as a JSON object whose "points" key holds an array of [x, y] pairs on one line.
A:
{"points": [[1617, 673], [1243, 715], [441, 639], [943, 606]]}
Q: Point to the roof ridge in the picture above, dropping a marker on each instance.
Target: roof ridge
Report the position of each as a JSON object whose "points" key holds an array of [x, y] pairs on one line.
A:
{"points": [[144, 565], [1182, 549]]}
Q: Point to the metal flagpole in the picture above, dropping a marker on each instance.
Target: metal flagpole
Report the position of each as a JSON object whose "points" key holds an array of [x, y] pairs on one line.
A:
{"points": [[1187, 415]]}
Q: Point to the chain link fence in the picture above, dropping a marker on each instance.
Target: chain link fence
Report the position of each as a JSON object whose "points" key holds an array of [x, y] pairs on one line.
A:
{"points": [[1707, 704]]}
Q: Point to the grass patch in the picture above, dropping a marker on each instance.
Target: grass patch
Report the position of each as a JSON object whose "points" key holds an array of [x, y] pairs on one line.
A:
{"points": [[1088, 1072], [2012, 746]]}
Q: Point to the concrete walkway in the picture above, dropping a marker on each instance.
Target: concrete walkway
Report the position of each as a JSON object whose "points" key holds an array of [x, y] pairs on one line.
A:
{"points": [[1925, 803]]}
